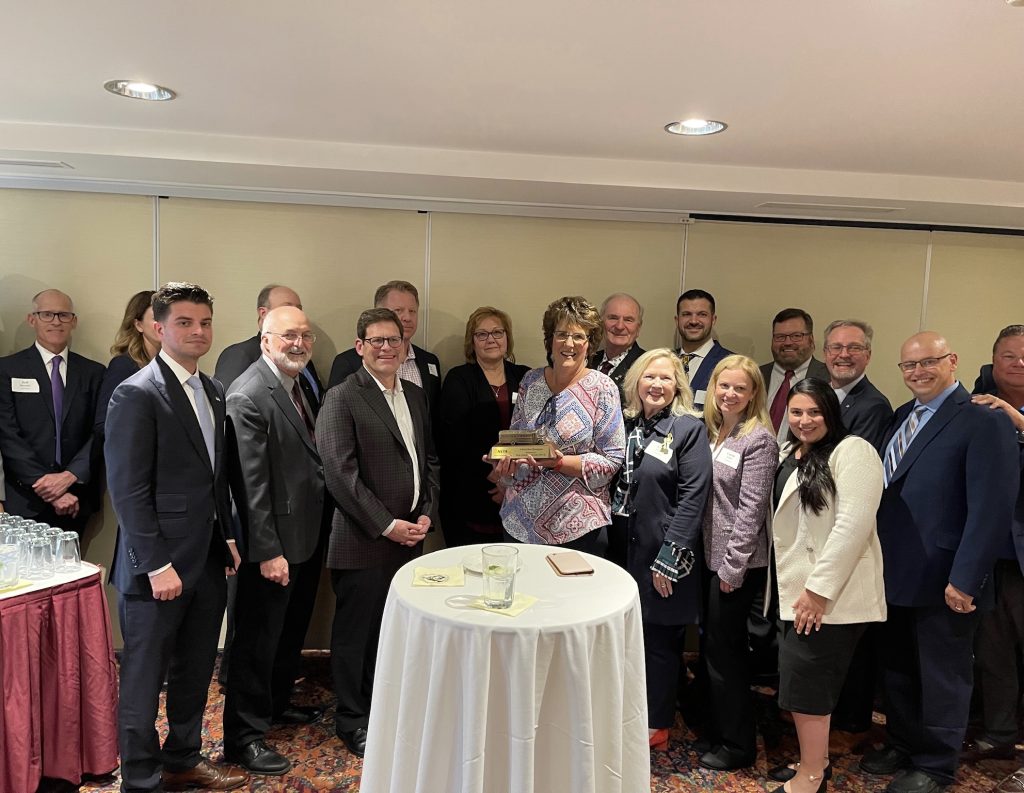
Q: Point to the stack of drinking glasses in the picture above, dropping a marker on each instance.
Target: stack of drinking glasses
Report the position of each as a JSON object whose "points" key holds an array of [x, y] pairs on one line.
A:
{"points": [[35, 551]]}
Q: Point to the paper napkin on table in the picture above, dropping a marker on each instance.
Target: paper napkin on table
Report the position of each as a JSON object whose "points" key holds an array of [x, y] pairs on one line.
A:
{"points": [[439, 576], [520, 603], [20, 585]]}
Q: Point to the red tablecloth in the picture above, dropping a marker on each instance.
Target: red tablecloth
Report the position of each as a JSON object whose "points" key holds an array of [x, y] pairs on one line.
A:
{"points": [[58, 715]]}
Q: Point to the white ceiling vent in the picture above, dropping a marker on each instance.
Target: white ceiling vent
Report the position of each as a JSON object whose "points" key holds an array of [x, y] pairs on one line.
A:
{"points": [[830, 208]]}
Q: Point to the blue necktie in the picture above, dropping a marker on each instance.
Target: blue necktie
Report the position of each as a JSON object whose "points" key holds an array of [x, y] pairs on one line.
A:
{"points": [[902, 441], [57, 389], [205, 421]]}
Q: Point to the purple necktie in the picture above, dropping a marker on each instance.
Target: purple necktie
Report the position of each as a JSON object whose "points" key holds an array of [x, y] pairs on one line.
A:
{"points": [[57, 388]]}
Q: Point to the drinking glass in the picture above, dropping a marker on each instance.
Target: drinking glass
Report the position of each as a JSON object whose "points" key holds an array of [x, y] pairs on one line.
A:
{"points": [[499, 565], [41, 559], [10, 565], [69, 554]]}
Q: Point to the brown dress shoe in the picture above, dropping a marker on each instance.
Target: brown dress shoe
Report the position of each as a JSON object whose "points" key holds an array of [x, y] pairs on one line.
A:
{"points": [[206, 776], [1014, 783]]}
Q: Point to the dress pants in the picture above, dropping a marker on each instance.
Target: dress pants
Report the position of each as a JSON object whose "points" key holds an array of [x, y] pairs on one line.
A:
{"points": [[176, 638], [997, 648], [726, 655], [663, 656], [360, 596], [928, 656], [270, 628]]}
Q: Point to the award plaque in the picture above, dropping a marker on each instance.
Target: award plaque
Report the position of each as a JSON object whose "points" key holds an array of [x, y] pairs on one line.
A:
{"points": [[519, 444]]}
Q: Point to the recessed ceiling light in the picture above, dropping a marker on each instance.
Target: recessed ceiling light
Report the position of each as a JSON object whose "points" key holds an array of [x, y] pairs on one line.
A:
{"points": [[695, 126], [134, 89]]}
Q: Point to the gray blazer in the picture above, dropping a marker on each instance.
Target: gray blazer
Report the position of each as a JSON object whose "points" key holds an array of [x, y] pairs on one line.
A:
{"points": [[279, 492], [735, 529], [369, 471]]}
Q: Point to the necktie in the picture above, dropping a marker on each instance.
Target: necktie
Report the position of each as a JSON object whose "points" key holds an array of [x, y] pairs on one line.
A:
{"points": [[778, 409], [606, 367], [205, 420], [297, 399], [686, 357], [57, 389], [902, 440]]}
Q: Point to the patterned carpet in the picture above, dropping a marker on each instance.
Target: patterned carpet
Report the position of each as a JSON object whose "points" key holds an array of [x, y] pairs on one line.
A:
{"points": [[321, 762]]}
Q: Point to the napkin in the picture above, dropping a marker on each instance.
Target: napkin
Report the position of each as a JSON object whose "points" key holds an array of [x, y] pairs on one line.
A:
{"points": [[439, 576], [520, 603], [20, 585]]}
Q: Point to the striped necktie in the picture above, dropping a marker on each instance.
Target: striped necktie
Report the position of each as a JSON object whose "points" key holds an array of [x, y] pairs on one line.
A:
{"points": [[902, 441]]}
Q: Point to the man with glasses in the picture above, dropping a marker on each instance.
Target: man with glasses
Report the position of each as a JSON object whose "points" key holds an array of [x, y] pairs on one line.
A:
{"points": [[622, 317], [866, 411], [280, 501], [793, 360], [380, 467], [699, 351], [47, 410], [951, 479]]}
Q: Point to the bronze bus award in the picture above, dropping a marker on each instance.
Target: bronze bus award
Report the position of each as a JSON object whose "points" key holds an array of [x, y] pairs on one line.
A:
{"points": [[520, 444]]}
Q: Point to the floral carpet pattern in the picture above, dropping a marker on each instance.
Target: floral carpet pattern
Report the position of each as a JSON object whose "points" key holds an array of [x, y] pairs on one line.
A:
{"points": [[321, 762]]}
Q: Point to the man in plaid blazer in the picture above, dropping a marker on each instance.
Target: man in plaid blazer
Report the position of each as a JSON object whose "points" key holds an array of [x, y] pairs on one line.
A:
{"points": [[373, 434]]}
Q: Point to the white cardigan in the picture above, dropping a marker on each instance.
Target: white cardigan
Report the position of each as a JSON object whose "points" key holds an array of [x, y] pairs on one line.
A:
{"points": [[835, 554]]}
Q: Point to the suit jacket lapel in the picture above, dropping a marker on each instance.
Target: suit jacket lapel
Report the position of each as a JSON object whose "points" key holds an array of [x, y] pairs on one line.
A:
{"points": [[855, 392], [284, 403], [171, 390], [219, 415], [71, 385], [375, 399], [42, 376], [952, 406]]}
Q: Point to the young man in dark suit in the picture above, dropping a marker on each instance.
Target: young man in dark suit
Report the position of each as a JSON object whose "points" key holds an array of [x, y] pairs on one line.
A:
{"points": [[166, 461], [47, 408], [622, 317], [375, 441], [699, 351], [280, 502], [951, 481]]}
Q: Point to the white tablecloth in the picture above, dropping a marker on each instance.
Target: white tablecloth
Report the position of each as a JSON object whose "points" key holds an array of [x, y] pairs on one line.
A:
{"points": [[551, 701], [64, 577]]}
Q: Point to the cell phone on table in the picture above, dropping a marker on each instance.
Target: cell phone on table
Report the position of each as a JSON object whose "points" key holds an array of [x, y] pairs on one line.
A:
{"points": [[566, 563]]}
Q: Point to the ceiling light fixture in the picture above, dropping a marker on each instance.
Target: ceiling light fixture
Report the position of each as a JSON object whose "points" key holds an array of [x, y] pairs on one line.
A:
{"points": [[695, 126], [135, 89]]}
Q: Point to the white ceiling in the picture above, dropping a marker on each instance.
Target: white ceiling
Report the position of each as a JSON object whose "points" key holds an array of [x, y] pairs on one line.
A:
{"points": [[910, 109]]}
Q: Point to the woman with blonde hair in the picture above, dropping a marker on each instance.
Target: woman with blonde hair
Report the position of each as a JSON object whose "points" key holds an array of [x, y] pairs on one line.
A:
{"points": [[659, 500], [745, 455], [135, 345]]}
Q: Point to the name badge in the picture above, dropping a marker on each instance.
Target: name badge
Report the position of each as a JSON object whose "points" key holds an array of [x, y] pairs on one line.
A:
{"points": [[700, 397], [729, 457], [659, 451], [24, 385], [432, 369], [515, 396]]}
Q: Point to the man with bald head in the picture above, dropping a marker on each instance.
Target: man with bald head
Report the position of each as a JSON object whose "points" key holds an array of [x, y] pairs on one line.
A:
{"points": [[47, 408], [951, 480], [280, 502]]}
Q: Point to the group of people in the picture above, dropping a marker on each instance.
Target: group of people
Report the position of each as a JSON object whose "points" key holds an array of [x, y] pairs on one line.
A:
{"points": [[786, 509]]}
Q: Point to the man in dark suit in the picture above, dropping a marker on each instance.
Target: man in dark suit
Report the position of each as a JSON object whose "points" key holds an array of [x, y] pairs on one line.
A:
{"points": [[1001, 631], [866, 411], [951, 475], [793, 360], [698, 350], [166, 461], [416, 365], [280, 502], [49, 462], [375, 441], [622, 317]]}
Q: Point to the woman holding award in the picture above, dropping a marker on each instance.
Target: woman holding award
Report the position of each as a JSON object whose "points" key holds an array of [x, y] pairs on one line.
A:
{"points": [[564, 499], [661, 492], [476, 404]]}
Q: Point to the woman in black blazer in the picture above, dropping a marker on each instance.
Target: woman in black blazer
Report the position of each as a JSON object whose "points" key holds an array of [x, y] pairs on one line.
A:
{"points": [[662, 490], [134, 346], [476, 403]]}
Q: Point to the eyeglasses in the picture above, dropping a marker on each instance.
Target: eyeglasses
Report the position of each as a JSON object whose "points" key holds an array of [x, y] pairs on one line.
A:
{"points": [[497, 334], [378, 342], [60, 316], [781, 337], [924, 363], [294, 338], [853, 349], [564, 336]]}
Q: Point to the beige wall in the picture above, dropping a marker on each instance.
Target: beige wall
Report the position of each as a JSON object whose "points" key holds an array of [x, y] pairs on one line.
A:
{"points": [[99, 248]]}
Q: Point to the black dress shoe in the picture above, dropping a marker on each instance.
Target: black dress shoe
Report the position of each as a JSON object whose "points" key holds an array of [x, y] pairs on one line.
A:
{"points": [[784, 773], [298, 714], [914, 781], [887, 760], [354, 740], [983, 749], [725, 759], [258, 758]]}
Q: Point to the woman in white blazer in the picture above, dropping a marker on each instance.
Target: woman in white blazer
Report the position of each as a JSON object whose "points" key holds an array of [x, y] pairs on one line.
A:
{"points": [[828, 564]]}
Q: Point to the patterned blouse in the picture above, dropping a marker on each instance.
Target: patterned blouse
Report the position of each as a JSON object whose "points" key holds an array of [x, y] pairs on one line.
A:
{"points": [[585, 419]]}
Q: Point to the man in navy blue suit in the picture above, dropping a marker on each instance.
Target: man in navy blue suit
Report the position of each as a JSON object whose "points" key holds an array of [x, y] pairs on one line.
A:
{"points": [[166, 454], [952, 475], [700, 353]]}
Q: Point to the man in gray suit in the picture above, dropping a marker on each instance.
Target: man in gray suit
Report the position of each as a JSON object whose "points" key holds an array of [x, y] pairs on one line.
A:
{"points": [[280, 502], [793, 354], [374, 438]]}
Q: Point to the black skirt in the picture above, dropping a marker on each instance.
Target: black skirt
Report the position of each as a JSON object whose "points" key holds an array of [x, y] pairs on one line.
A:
{"points": [[812, 668]]}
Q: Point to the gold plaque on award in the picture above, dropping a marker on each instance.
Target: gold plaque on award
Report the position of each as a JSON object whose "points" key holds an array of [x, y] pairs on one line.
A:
{"points": [[519, 444]]}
